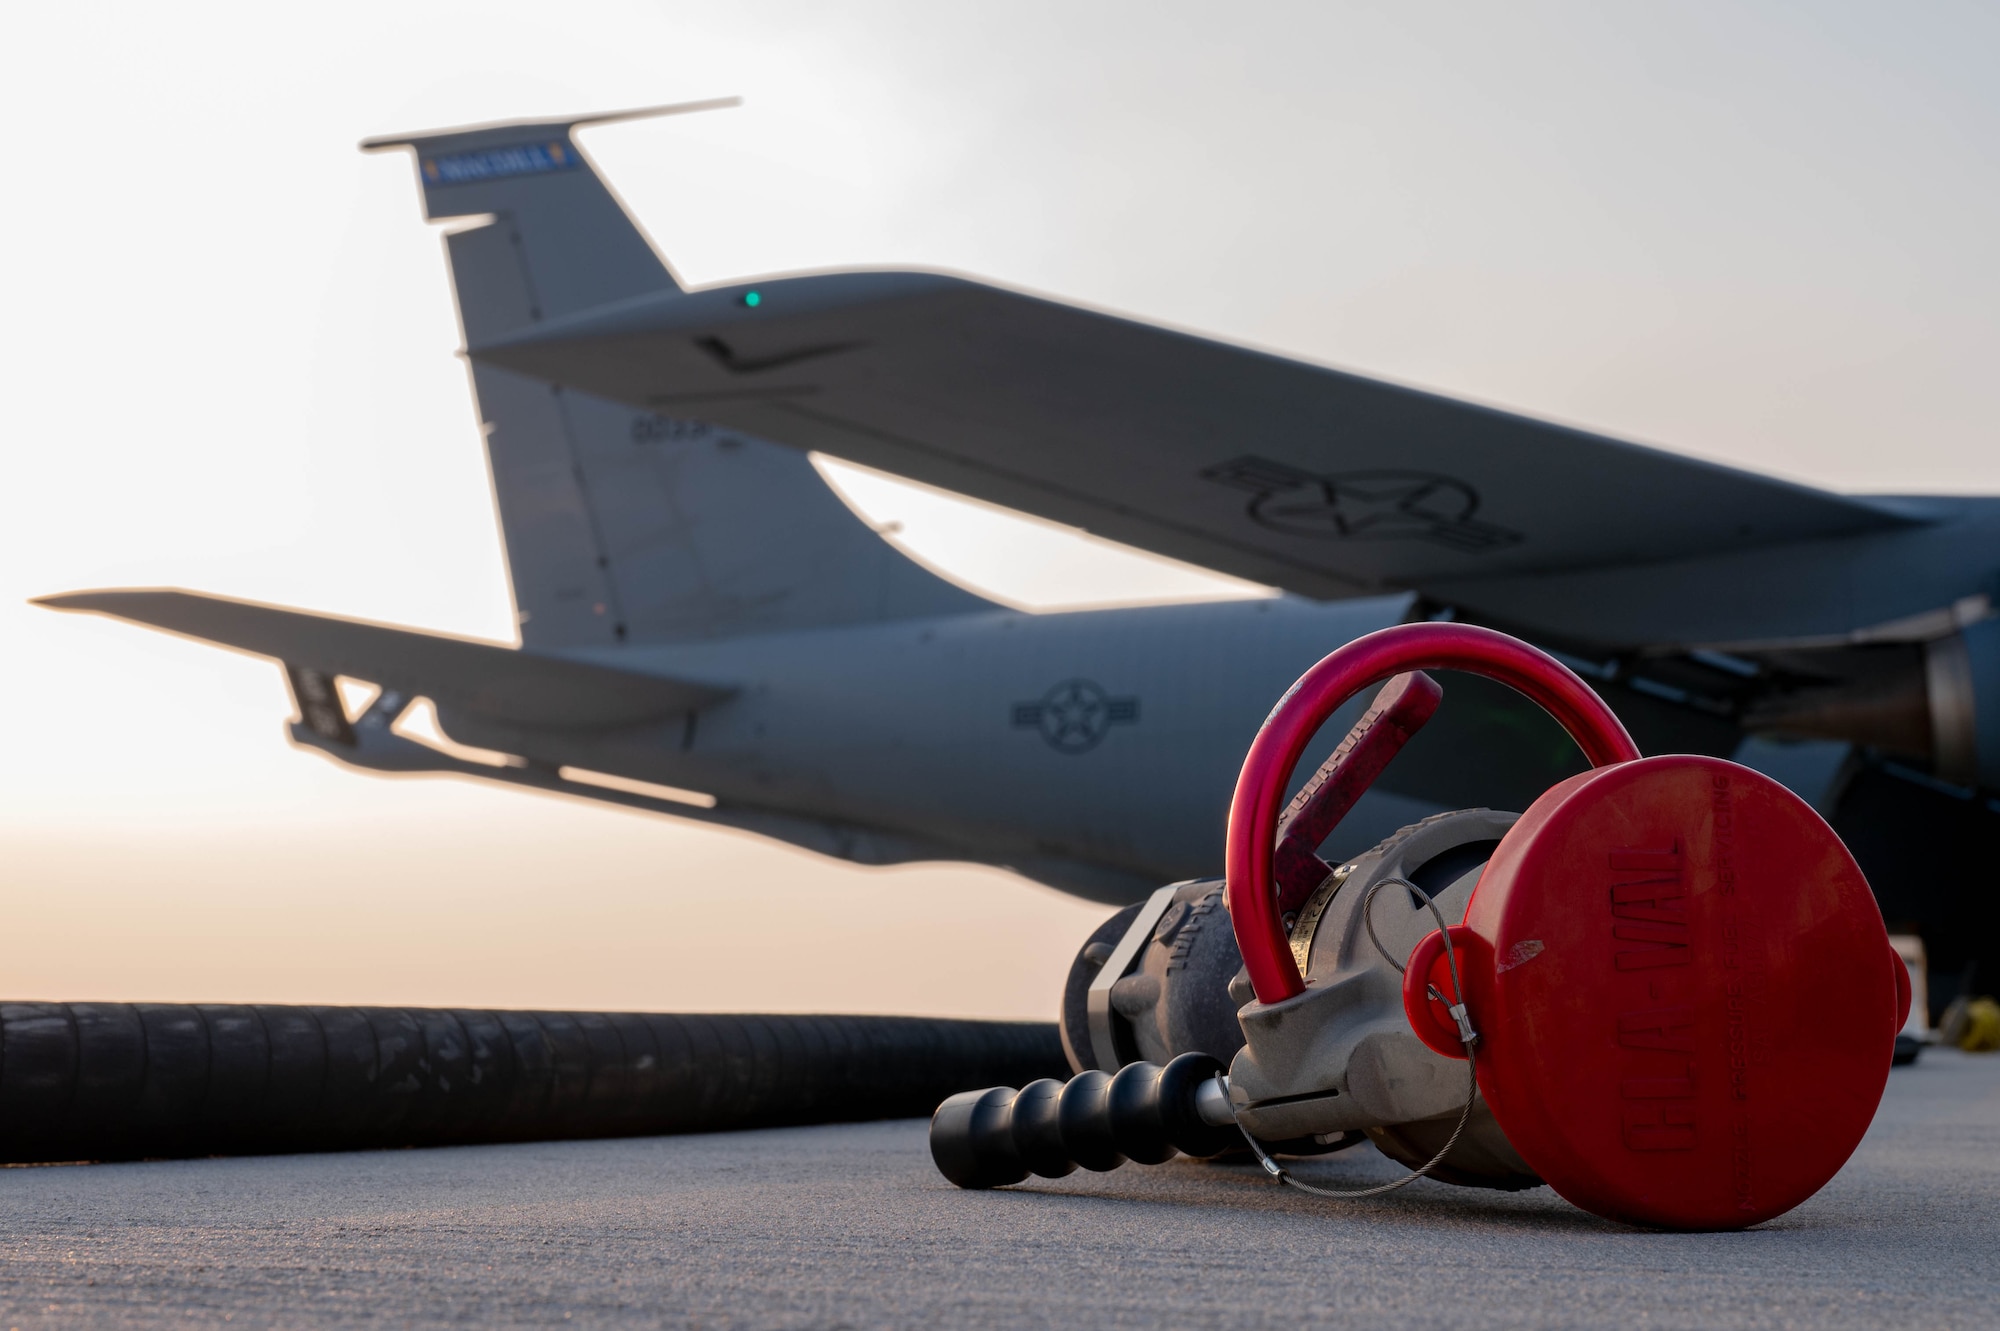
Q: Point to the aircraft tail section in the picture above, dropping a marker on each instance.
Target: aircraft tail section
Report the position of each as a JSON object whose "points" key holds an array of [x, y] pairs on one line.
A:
{"points": [[557, 240], [623, 525]]}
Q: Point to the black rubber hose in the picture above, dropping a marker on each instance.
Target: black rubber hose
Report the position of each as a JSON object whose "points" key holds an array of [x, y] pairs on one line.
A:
{"points": [[124, 1081], [1146, 1113]]}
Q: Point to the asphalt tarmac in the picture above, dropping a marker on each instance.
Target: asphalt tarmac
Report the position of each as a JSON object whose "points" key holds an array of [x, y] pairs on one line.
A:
{"points": [[851, 1226]]}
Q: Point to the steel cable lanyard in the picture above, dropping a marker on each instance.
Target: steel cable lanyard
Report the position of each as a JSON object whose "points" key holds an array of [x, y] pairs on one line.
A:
{"points": [[1466, 1034]]}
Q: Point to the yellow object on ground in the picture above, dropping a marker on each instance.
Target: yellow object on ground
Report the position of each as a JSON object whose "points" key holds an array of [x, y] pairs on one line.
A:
{"points": [[1973, 1024], [1982, 1027]]}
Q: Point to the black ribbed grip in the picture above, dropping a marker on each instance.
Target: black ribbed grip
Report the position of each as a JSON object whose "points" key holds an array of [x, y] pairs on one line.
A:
{"points": [[120, 1081], [991, 1138]]}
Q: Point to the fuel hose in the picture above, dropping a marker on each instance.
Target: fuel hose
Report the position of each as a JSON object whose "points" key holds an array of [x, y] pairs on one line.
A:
{"points": [[125, 1081]]}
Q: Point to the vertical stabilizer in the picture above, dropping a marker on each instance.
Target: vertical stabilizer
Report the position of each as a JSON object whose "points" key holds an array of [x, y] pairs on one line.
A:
{"points": [[622, 526], [567, 243]]}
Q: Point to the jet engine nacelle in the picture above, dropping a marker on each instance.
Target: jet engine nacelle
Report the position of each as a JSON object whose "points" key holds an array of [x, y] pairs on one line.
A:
{"points": [[1962, 682], [1664, 990]]}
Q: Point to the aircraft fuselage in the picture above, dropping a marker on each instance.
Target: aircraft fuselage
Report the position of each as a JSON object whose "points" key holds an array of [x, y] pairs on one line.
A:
{"points": [[1110, 738]]}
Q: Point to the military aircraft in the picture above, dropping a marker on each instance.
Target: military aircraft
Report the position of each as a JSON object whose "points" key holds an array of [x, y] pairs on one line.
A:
{"points": [[708, 631]]}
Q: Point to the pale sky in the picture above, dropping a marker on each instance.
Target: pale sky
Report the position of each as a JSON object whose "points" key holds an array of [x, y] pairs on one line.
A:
{"points": [[1752, 232]]}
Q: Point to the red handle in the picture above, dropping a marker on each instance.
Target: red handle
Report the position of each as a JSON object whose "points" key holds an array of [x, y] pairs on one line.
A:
{"points": [[1267, 770]]}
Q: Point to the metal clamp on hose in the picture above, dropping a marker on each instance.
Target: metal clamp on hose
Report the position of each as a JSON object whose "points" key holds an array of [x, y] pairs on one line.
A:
{"points": [[1103, 1036]]}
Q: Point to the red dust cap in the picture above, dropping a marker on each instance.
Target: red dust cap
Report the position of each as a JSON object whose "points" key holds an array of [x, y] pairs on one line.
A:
{"points": [[1684, 993]]}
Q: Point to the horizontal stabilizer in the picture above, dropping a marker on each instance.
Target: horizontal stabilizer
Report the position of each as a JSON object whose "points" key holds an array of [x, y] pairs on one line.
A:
{"points": [[503, 683], [527, 129]]}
